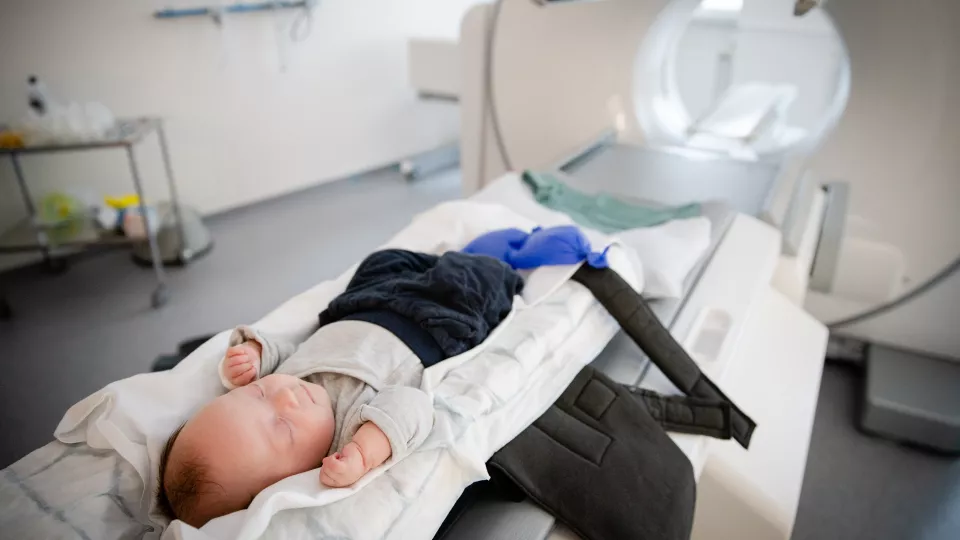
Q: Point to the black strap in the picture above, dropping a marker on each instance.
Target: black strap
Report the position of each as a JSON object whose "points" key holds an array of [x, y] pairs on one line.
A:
{"points": [[645, 329], [687, 414]]}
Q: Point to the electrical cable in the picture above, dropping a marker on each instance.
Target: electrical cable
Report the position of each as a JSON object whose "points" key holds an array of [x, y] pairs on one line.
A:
{"points": [[937, 279], [489, 106]]}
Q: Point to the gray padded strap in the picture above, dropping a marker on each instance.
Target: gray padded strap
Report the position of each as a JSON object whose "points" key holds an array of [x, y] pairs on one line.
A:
{"points": [[645, 329], [685, 414]]}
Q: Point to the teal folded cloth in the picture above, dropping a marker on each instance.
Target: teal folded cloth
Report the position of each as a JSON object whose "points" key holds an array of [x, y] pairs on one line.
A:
{"points": [[602, 212]]}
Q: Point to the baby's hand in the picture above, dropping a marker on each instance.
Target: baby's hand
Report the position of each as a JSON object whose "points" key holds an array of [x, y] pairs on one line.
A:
{"points": [[243, 363], [343, 468]]}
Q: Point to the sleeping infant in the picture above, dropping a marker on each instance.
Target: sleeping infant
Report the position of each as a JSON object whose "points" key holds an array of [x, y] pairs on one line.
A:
{"points": [[348, 398]]}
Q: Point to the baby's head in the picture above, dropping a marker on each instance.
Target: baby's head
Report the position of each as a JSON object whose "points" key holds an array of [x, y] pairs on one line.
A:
{"points": [[242, 442]]}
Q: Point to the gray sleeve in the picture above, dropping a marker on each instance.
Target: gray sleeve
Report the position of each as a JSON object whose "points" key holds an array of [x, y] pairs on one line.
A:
{"points": [[404, 414], [275, 350]]}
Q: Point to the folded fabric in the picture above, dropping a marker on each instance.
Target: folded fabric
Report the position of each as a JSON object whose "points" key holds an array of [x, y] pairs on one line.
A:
{"points": [[553, 246], [602, 212]]}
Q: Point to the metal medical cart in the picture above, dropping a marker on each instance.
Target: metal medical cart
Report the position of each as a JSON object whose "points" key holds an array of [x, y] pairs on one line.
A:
{"points": [[31, 234]]}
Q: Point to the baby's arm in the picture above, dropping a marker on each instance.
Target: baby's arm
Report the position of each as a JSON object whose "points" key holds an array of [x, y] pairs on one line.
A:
{"points": [[396, 422], [252, 354]]}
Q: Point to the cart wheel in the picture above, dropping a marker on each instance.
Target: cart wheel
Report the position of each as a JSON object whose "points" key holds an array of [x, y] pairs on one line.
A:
{"points": [[159, 297]]}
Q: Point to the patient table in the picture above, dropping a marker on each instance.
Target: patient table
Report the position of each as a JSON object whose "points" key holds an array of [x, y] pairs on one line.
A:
{"points": [[749, 337]]}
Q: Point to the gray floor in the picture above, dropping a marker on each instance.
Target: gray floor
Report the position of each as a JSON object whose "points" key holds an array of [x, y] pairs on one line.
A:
{"points": [[859, 487], [74, 333]]}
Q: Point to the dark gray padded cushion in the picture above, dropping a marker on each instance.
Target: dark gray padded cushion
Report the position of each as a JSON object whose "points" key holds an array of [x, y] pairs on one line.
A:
{"points": [[602, 465]]}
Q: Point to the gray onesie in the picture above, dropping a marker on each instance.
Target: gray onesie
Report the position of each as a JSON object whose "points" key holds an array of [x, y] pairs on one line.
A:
{"points": [[370, 374]]}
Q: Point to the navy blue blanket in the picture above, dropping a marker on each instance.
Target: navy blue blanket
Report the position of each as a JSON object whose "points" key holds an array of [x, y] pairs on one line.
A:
{"points": [[453, 300]]}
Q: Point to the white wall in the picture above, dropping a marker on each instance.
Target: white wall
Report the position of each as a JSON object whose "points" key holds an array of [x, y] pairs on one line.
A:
{"points": [[239, 129], [897, 145], [897, 142]]}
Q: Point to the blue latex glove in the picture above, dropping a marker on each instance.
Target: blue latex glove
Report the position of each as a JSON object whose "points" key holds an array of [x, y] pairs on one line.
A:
{"points": [[498, 244], [561, 245]]}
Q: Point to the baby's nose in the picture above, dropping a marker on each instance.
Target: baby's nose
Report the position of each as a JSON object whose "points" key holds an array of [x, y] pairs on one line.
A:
{"points": [[285, 397]]}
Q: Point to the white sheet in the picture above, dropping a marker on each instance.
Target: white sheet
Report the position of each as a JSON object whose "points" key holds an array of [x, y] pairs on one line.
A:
{"points": [[483, 399]]}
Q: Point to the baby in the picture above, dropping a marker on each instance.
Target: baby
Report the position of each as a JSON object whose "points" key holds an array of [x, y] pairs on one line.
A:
{"points": [[348, 398]]}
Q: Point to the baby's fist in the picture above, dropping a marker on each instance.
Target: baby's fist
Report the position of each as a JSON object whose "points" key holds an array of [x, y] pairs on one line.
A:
{"points": [[343, 468], [242, 363]]}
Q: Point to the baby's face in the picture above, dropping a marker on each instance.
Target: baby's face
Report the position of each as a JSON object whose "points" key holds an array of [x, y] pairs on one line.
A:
{"points": [[256, 435]]}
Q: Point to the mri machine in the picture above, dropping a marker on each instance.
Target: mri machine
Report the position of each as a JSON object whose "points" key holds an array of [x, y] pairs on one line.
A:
{"points": [[847, 225]]}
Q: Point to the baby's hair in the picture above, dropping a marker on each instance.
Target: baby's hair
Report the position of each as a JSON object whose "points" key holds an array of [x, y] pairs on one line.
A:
{"points": [[178, 498]]}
